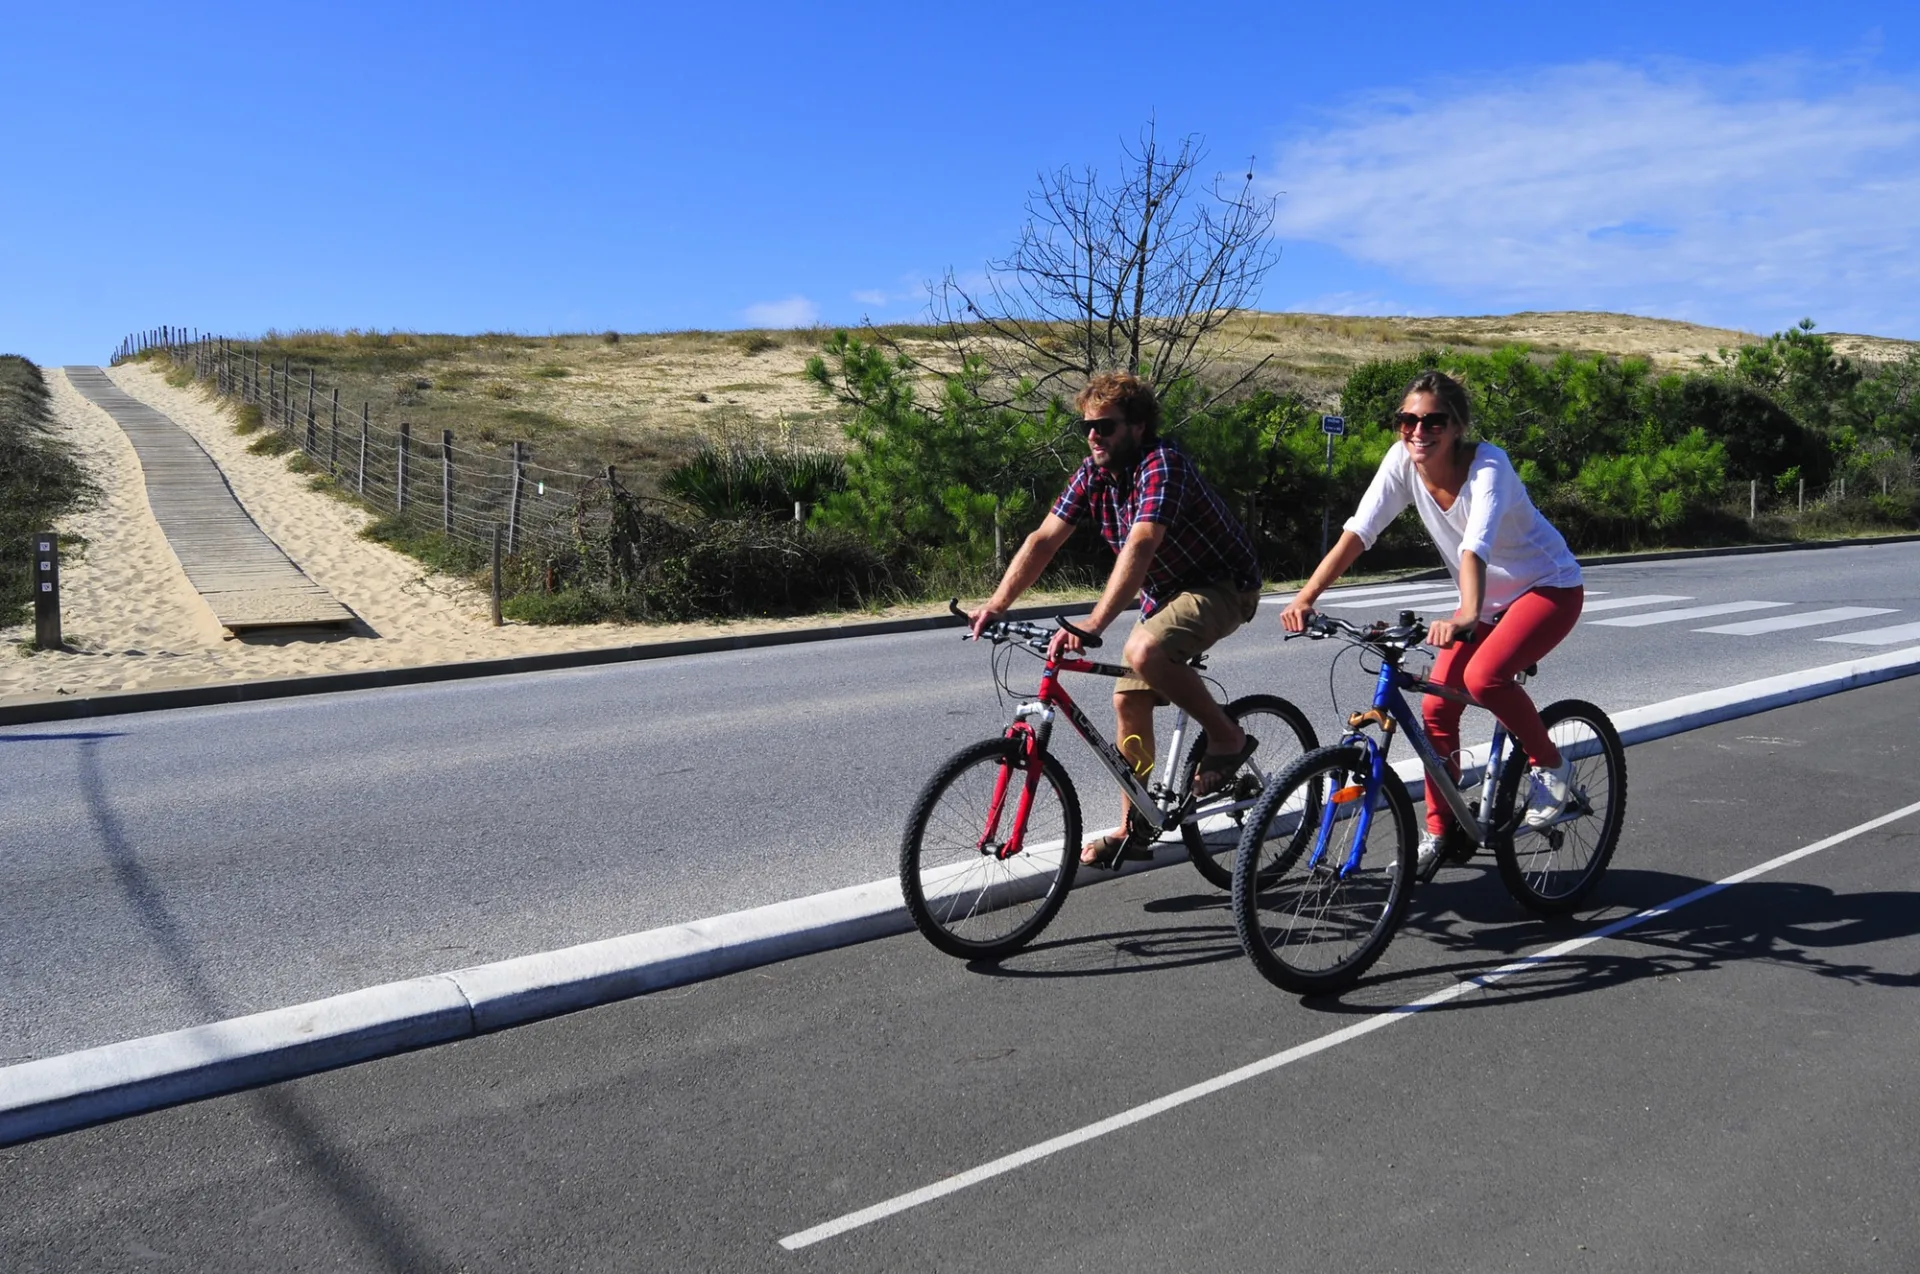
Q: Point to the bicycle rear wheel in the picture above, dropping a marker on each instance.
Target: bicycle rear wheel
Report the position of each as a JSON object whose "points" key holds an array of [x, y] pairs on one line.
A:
{"points": [[965, 893], [1552, 870], [1308, 923], [1212, 831]]}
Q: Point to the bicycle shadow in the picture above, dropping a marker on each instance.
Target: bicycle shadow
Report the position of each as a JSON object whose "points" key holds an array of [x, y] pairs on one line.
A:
{"points": [[1806, 927], [1119, 951]]}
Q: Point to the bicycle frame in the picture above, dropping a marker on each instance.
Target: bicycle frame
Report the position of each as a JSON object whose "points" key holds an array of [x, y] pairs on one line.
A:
{"points": [[1034, 719], [1390, 711]]}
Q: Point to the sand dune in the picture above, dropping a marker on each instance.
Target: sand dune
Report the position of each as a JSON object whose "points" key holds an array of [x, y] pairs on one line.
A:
{"points": [[132, 621]]}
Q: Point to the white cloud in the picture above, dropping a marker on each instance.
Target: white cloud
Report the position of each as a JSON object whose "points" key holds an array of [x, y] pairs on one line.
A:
{"points": [[1750, 196], [871, 296], [794, 311], [1355, 305]]}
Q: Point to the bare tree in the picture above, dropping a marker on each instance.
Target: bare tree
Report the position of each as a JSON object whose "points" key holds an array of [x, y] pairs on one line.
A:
{"points": [[1140, 275]]}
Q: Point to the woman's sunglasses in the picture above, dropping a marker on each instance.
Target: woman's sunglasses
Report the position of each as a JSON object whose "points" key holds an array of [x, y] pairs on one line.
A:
{"points": [[1433, 422]]}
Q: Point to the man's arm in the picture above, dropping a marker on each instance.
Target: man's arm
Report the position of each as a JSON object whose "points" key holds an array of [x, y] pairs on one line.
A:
{"points": [[1123, 585], [1037, 550]]}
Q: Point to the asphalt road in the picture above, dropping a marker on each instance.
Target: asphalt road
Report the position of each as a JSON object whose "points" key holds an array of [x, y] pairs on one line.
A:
{"points": [[1724, 1087], [167, 869]]}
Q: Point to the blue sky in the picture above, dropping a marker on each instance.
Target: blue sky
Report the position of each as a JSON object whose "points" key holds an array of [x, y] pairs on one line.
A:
{"points": [[576, 167]]}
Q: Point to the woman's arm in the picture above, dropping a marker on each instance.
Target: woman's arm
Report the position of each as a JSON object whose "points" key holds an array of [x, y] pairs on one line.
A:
{"points": [[1345, 551], [1473, 595]]}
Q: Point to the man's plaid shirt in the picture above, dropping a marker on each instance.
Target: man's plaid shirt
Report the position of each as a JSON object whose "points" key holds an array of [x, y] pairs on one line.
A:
{"points": [[1204, 544]]}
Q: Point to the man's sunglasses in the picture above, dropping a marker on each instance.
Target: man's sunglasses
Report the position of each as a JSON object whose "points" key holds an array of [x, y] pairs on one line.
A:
{"points": [[1103, 426], [1433, 422]]}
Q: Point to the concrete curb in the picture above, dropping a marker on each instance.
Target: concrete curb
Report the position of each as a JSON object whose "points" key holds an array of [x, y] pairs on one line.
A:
{"points": [[114, 703], [58, 1094]]}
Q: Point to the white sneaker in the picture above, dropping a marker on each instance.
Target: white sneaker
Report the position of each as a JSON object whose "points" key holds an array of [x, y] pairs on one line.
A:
{"points": [[1552, 793], [1429, 851]]}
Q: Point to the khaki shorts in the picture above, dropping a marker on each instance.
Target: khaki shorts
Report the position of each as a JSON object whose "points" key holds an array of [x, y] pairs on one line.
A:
{"points": [[1190, 622]]}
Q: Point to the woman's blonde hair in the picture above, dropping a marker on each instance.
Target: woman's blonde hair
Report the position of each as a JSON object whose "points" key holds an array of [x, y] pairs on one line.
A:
{"points": [[1451, 393]]}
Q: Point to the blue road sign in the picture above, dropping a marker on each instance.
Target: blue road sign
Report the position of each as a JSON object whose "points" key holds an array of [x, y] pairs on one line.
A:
{"points": [[1335, 425]]}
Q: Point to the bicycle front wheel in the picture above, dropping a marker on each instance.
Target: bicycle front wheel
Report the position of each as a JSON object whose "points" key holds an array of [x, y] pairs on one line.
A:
{"points": [[1318, 890], [969, 892], [1551, 870], [1212, 831]]}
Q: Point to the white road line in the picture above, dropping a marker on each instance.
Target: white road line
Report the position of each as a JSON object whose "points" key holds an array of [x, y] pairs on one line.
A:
{"points": [[1388, 1017], [1806, 619], [1390, 600], [1688, 612], [1645, 599], [1878, 636]]}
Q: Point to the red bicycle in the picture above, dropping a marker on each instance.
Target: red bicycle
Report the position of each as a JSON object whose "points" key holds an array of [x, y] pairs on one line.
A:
{"points": [[993, 843]]}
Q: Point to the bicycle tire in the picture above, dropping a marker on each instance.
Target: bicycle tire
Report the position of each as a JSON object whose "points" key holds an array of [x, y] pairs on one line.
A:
{"points": [[965, 899], [1552, 872], [1306, 927], [1285, 736]]}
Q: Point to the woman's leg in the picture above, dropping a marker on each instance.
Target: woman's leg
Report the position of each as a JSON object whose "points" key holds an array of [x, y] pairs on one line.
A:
{"points": [[1442, 719], [1532, 626]]}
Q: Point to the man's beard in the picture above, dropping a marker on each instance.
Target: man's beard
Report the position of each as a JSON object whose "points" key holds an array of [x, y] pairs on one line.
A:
{"points": [[1122, 453]]}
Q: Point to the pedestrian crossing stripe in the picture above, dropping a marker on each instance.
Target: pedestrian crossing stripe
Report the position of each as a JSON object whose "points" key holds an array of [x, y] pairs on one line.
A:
{"points": [[1805, 619]]}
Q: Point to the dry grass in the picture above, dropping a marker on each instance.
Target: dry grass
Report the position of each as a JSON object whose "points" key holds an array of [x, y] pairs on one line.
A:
{"points": [[647, 401]]}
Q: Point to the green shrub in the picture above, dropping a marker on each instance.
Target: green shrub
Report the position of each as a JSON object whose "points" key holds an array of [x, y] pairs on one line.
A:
{"points": [[39, 479], [248, 418], [272, 442], [737, 481]]}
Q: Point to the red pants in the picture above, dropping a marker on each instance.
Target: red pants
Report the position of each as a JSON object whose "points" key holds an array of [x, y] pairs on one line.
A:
{"points": [[1484, 667]]}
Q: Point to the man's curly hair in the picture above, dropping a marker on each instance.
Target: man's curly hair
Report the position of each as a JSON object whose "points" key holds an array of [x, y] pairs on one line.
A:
{"points": [[1133, 396]]}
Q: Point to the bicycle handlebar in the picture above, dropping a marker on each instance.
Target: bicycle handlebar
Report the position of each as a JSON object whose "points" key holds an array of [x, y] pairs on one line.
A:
{"points": [[1405, 635], [1035, 635]]}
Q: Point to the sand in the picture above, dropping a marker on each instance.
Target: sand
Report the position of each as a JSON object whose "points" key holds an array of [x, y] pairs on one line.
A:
{"points": [[132, 621]]}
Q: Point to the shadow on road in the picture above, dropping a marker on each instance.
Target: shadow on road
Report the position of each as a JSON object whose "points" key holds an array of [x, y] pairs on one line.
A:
{"points": [[1793, 925], [375, 1215]]}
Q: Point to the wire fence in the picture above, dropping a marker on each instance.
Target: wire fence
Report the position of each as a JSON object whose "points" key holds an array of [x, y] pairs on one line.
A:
{"points": [[431, 484]]}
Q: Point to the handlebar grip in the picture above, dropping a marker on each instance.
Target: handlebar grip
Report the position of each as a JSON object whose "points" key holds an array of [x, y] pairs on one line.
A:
{"points": [[1087, 640]]}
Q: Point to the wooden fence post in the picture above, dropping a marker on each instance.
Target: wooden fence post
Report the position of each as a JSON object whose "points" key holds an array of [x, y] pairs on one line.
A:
{"points": [[446, 481], [513, 503], [1803, 496], [613, 564], [360, 479], [333, 435], [313, 442], [400, 469], [1753, 498], [496, 575]]}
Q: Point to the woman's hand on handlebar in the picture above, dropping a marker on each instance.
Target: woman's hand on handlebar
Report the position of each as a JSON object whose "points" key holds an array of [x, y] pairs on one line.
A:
{"points": [[1444, 632], [1294, 616]]}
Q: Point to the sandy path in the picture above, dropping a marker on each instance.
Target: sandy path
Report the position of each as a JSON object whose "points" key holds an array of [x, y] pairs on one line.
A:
{"points": [[133, 622]]}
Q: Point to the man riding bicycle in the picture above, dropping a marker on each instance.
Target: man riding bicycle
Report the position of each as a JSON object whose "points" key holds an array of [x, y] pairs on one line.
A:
{"points": [[1179, 549]]}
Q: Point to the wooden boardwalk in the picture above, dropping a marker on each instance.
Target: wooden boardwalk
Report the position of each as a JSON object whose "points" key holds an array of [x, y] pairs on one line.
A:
{"points": [[243, 575]]}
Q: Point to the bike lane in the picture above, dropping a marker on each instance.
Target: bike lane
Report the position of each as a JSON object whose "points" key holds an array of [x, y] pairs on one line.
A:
{"points": [[1719, 1087]]}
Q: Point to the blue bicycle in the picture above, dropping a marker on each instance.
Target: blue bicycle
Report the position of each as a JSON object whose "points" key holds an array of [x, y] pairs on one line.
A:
{"points": [[1327, 857]]}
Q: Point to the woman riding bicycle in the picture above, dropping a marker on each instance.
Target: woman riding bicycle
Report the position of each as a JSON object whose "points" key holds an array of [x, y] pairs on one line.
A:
{"points": [[1509, 564]]}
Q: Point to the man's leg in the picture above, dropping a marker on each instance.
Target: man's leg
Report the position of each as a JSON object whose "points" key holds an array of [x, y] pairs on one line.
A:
{"points": [[1132, 714], [1172, 678]]}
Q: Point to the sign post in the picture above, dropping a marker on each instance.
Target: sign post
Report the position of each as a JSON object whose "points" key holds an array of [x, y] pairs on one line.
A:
{"points": [[1333, 427], [46, 590]]}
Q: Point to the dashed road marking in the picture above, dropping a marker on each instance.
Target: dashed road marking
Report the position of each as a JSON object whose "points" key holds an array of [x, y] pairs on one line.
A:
{"points": [[1206, 1088]]}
